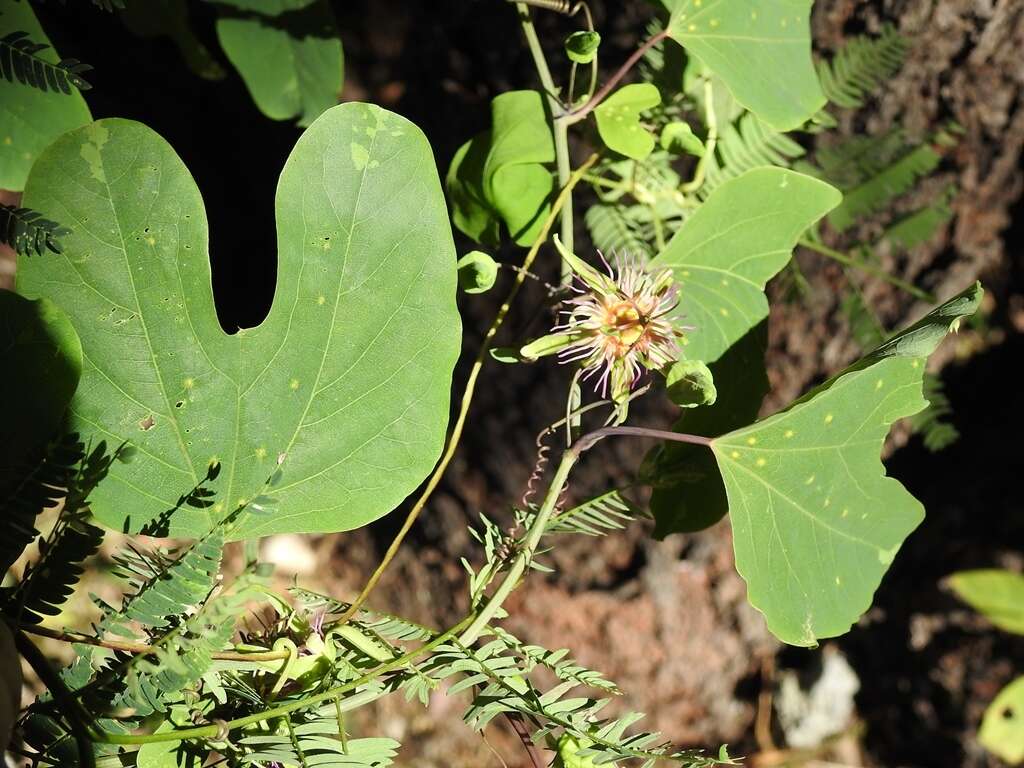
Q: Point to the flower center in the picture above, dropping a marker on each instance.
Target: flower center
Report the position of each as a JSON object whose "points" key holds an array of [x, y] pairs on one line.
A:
{"points": [[624, 321]]}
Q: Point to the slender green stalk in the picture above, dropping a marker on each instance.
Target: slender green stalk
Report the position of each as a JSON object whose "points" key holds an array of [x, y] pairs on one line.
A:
{"points": [[709, 146], [592, 103], [529, 546], [865, 266], [70, 636], [560, 133], [332, 694], [467, 396]]}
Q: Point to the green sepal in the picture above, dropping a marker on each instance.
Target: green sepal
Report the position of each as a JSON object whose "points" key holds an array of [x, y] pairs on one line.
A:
{"points": [[690, 383], [477, 272], [581, 46]]}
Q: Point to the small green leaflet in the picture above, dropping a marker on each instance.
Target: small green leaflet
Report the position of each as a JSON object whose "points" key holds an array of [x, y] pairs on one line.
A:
{"points": [[29, 118], [816, 522], [618, 120], [1002, 728], [288, 52], [996, 594], [760, 48], [724, 253], [343, 389], [500, 174]]}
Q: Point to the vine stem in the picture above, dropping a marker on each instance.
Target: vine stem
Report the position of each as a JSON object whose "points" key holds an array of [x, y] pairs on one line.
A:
{"points": [[559, 131], [850, 261], [592, 103], [467, 396], [143, 648], [332, 694], [540, 523], [529, 546]]}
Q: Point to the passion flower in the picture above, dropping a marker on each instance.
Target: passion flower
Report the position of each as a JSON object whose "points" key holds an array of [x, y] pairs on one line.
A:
{"points": [[618, 326]]}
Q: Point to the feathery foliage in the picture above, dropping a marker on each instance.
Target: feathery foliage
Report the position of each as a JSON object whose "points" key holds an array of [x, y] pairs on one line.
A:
{"points": [[862, 66], [748, 143], [49, 581], [19, 61], [28, 233]]}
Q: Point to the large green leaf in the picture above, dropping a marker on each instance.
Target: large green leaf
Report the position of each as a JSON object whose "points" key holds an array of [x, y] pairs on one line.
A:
{"points": [[760, 48], [344, 387], [29, 118], [502, 173], [41, 357], [997, 594], [816, 522], [288, 52], [741, 236]]}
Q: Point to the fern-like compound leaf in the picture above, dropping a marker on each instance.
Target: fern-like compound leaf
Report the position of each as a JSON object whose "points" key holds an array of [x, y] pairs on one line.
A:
{"points": [[862, 66], [20, 61], [28, 232], [745, 144]]}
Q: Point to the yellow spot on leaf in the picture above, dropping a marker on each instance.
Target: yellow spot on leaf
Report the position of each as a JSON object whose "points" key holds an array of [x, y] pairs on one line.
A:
{"points": [[151, 240], [828, 418], [189, 383], [838, 581], [723, 311], [8, 141], [714, 23], [915, 363], [761, 461], [293, 384], [809, 480], [878, 384], [261, 453], [692, 27], [734, 455], [845, 512], [788, 433], [751, 440]]}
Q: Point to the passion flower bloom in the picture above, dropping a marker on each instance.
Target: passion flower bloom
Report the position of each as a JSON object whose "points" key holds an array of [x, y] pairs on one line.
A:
{"points": [[618, 327]]}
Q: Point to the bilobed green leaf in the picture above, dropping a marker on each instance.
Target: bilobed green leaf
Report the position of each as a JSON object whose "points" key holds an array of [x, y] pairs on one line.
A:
{"points": [[30, 118], [472, 213], [288, 52], [344, 387], [1002, 727], [760, 48], [816, 522], [516, 182], [723, 255], [501, 174], [618, 119], [997, 594], [42, 357]]}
